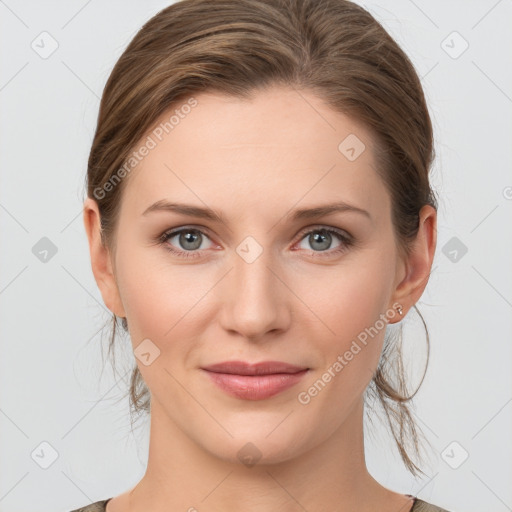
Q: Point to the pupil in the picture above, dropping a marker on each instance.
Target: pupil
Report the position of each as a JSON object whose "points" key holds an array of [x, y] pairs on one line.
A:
{"points": [[319, 236], [189, 238]]}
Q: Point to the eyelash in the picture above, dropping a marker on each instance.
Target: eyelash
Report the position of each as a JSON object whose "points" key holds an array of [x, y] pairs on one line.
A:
{"points": [[346, 242]]}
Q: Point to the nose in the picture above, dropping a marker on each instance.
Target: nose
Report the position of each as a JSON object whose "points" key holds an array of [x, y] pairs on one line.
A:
{"points": [[255, 300]]}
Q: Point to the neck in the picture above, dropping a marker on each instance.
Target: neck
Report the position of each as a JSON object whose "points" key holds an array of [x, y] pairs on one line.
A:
{"points": [[182, 475]]}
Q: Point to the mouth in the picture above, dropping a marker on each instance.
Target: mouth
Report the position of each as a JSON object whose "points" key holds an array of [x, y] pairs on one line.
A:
{"points": [[255, 381], [262, 368]]}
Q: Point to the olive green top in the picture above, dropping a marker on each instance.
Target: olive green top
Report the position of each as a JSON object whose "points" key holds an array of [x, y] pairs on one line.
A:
{"points": [[418, 506]]}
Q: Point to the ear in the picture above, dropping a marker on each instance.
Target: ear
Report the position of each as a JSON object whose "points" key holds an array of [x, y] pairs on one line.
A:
{"points": [[415, 270], [101, 259]]}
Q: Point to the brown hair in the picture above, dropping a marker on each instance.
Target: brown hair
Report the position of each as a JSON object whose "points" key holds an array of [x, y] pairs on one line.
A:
{"points": [[333, 48]]}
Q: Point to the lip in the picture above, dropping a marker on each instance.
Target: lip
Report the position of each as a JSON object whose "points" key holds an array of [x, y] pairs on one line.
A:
{"points": [[255, 381], [262, 368]]}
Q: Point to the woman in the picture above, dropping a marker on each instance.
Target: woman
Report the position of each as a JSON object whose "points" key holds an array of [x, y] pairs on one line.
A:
{"points": [[258, 213]]}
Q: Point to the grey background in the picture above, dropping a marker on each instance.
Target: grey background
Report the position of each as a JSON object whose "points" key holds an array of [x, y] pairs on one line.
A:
{"points": [[54, 387]]}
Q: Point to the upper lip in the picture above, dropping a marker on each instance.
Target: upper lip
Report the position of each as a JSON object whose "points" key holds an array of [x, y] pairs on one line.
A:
{"points": [[262, 368]]}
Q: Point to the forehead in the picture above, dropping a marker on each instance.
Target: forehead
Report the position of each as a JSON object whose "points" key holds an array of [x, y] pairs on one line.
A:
{"points": [[278, 147]]}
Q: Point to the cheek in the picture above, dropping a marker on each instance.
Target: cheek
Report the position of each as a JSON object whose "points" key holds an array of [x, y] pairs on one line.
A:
{"points": [[351, 299], [157, 295], [352, 307], [351, 355], [162, 303], [153, 289]]}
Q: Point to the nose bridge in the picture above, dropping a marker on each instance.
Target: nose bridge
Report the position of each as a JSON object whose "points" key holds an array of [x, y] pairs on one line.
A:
{"points": [[255, 303]]}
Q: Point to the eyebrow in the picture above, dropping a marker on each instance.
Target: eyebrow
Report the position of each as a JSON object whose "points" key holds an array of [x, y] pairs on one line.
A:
{"points": [[210, 214]]}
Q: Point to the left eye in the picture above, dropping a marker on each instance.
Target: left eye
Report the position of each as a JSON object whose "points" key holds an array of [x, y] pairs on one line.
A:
{"points": [[190, 239], [322, 239]]}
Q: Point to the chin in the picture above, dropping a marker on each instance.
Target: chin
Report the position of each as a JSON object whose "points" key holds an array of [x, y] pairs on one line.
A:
{"points": [[259, 445]]}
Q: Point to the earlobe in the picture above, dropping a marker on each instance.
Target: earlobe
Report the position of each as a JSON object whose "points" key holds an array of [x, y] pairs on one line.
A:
{"points": [[419, 262], [101, 263]]}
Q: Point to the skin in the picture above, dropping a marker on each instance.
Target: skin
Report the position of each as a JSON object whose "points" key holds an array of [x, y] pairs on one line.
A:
{"points": [[255, 161]]}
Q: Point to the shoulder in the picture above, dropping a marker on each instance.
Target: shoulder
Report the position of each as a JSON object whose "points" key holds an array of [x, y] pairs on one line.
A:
{"points": [[423, 506], [99, 506], [419, 506]]}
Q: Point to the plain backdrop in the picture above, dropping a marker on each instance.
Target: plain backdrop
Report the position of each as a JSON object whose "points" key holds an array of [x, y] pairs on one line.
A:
{"points": [[65, 433]]}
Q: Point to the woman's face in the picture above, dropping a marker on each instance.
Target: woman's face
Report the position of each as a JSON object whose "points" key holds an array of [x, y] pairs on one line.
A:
{"points": [[263, 283]]}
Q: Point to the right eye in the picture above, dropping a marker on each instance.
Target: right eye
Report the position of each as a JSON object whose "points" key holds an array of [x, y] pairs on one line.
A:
{"points": [[190, 239]]}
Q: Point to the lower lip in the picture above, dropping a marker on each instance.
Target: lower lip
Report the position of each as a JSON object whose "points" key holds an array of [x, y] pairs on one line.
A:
{"points": [[258, 387]]}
